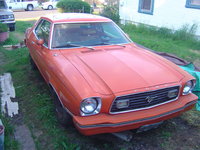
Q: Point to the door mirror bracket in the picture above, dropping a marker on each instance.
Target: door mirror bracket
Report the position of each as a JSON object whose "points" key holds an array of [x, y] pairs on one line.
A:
{"points": [[40, 41]]}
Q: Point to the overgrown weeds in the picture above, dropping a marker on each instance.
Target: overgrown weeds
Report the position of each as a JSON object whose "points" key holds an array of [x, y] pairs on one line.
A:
{"points": [[179, 42]]}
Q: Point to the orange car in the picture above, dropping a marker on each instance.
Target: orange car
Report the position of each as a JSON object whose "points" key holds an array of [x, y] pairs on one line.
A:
{"points": [[101, 79]]}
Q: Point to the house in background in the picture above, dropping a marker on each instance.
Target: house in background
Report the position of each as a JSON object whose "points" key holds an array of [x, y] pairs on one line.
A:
{"points": [[173, 14]]}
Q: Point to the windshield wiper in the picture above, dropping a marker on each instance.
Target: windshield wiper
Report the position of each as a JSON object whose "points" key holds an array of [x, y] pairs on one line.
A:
{"points": [[104, 43], [74, 45]]}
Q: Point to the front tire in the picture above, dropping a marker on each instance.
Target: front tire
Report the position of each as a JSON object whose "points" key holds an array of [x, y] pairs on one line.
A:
{"points": [[33, 65], [50, 7], [30, 7], [62, 115]]}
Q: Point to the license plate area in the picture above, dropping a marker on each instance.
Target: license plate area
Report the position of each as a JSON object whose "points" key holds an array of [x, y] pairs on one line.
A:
{"points": [[149, 127]]}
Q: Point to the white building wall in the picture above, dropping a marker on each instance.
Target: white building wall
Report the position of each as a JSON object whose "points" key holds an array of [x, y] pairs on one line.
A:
{"points": [[167, 13]]}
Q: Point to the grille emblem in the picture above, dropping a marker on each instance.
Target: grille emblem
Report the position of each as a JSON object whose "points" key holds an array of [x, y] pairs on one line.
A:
{"points": [[149, 99]]}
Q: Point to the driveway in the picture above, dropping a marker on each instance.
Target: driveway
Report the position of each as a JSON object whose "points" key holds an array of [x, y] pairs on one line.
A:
{"points": [[29, 15]]}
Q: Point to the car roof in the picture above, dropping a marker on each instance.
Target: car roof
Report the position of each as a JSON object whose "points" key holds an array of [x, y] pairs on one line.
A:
{"points": [[75, 17]]}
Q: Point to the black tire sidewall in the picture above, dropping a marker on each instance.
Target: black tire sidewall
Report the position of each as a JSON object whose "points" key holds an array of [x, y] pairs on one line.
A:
{"points": [[62, 115], [50, 7], [29, 6]]}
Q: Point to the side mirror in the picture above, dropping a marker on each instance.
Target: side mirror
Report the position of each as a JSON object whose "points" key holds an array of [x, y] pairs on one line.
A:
{"points": [[40, 41]]}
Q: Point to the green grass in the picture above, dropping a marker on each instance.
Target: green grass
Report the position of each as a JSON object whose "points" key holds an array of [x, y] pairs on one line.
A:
{"points": [[10, 143], [37, 107], [182, 43], [34, 94]]}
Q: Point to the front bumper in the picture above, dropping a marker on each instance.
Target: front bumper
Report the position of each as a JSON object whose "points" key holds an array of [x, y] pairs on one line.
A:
{"points": [[10, 23], [107, 123]]}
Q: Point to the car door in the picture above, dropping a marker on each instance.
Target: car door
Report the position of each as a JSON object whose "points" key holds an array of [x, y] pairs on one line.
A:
{"points": [[41, 53]]}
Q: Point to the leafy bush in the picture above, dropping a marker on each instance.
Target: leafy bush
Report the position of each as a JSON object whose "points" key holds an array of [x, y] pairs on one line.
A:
{"points": [[111, 12], [74, 6], [3, 28]]}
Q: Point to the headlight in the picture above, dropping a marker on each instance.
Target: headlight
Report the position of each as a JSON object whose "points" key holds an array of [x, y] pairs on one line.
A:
{"points": [[90, 106], [10, 16], [189, 87]]}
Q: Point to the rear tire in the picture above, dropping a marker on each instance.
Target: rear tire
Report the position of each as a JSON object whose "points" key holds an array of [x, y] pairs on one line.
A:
{"points": [[50, 7], [62, 115], [29, 7]]}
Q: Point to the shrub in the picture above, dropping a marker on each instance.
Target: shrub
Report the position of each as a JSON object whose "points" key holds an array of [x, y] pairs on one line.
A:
{"points": [[3, 28], [74, 6], [111, 12]]}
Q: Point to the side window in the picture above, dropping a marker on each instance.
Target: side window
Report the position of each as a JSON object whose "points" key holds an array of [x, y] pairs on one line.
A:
{"points": [[193, 4], [146, 6], [42, 31]]}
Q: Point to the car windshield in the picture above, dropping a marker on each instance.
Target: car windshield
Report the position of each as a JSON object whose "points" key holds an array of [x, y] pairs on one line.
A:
{"points": [[67, 35], [3, 5]]}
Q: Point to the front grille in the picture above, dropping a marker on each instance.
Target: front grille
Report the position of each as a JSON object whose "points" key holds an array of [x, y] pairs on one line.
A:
{"points": [[4, 17], [144, 100]]}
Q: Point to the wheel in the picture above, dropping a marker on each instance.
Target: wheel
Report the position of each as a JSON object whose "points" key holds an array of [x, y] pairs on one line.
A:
{"points": [[30, 7], [33, 65], [50, 7], [62, 115], [12, 28]]}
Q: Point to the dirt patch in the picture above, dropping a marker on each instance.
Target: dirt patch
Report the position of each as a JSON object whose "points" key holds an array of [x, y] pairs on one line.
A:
{"points": [[23, 136], [195, 51]]}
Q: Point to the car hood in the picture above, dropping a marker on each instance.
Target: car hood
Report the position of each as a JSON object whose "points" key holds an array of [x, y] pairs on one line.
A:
{"points": [[116, 69], [6, 11]]}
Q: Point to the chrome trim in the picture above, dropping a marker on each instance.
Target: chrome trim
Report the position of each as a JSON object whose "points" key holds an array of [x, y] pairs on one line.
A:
{"points": [[123, 32], [80, 21], [99, 100], [194, 84], [89, 47], [60, 100], [145, 107], [41, 20], [51, 37], [47, 46], [8, 21], [136, 121]]}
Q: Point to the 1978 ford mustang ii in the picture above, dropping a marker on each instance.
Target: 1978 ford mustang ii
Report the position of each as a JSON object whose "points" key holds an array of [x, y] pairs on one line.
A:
{"points": [[101, 79]]}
